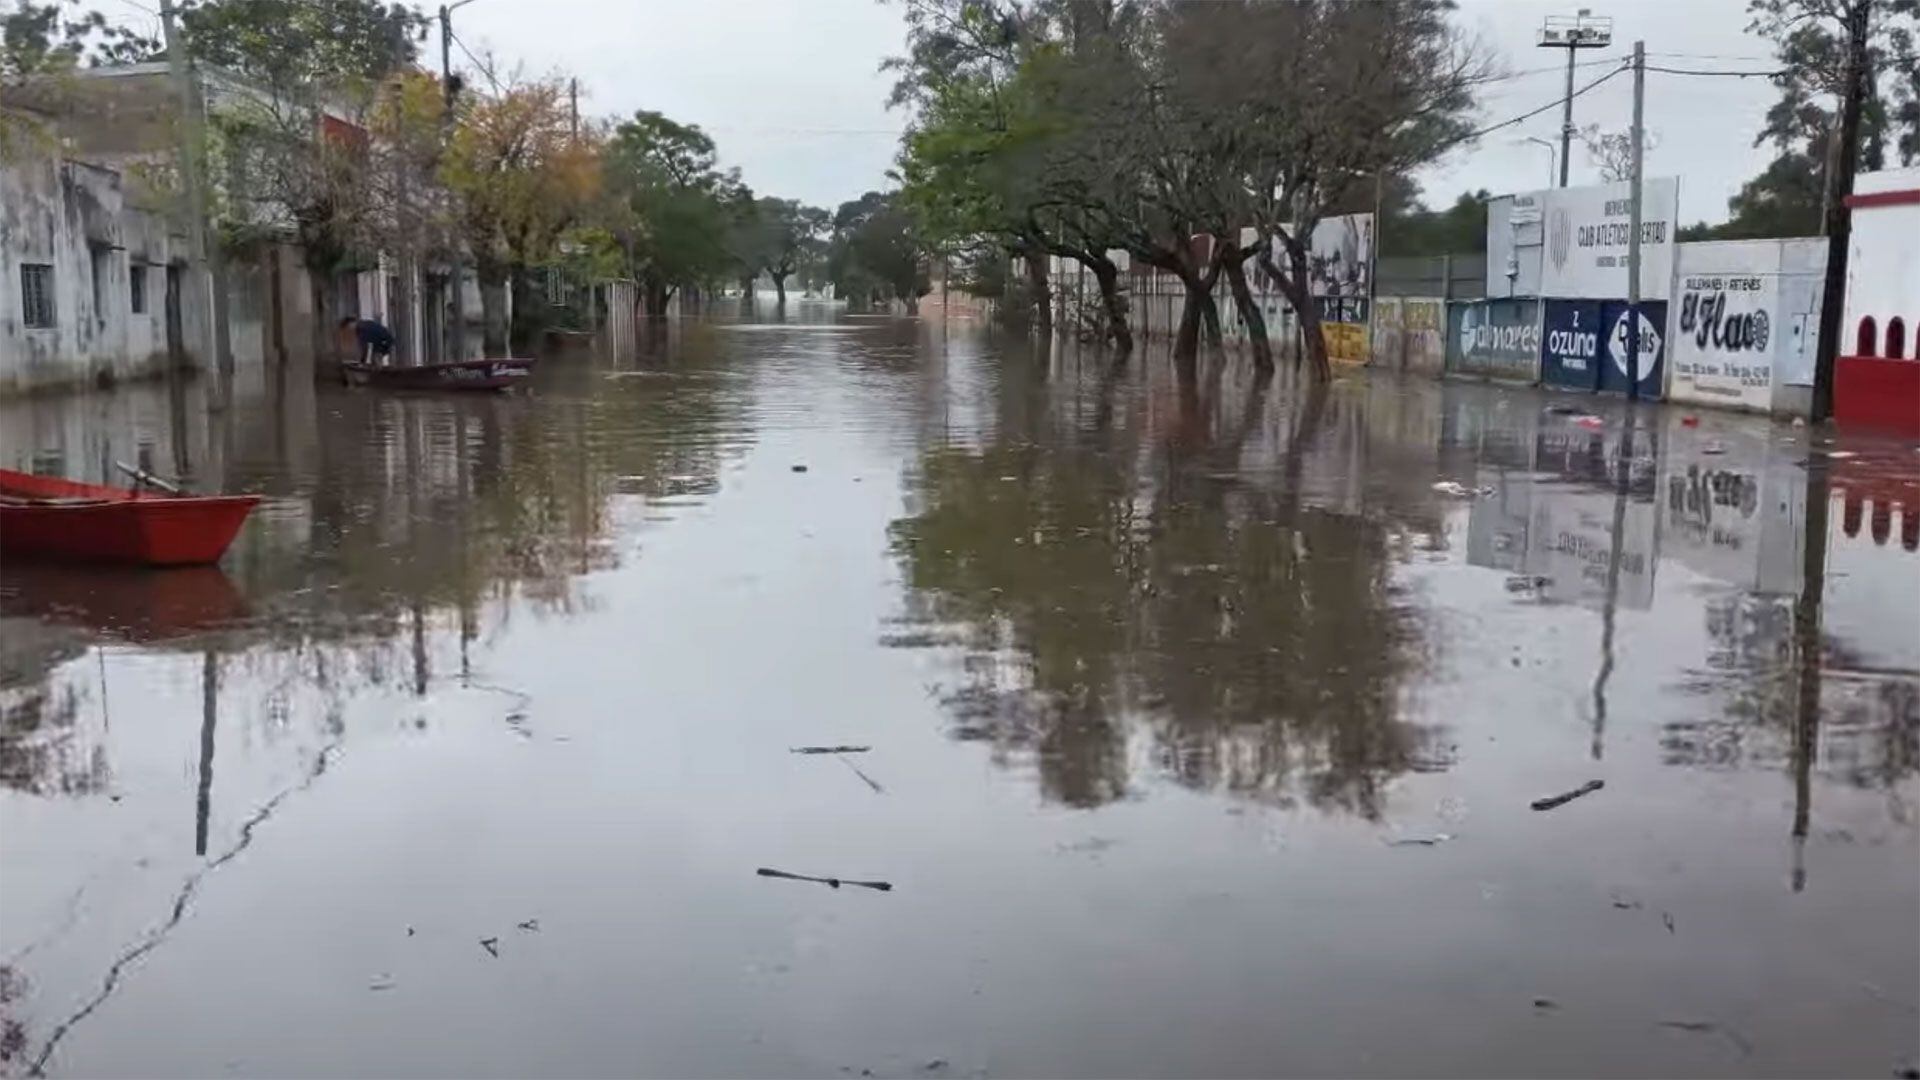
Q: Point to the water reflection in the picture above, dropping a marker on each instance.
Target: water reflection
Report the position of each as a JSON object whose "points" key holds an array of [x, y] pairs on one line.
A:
{"points": [[1216, 582]]}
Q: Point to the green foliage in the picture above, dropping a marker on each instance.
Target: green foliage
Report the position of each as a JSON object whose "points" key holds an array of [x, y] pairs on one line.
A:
{"points": [[677, 216], [877, 253], [304, 46]]}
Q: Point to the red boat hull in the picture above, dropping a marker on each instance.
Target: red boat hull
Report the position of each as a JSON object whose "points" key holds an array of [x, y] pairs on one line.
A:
{"points": [[463, 375], [41, 517]]}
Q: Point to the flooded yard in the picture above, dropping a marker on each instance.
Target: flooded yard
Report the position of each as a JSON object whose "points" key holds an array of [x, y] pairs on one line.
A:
{"points": [[1195, 731]]}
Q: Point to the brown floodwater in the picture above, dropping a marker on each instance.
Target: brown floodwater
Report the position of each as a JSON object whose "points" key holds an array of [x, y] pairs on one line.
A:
{"points": [[1203, 731]]}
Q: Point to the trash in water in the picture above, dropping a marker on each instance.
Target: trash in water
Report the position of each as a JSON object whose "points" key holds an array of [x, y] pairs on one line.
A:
{"points": [[1544, 1004], [799, 468], [532, 926], [878, 886], [382, 981], [1713, 448], [1590, 421], [829, 749], [1418, 841], [1709, 1027], [1841, 455], [1459, 490], [1563, 410], [1668, 919], [1587, 788], [1689, 420], [492, 945]]}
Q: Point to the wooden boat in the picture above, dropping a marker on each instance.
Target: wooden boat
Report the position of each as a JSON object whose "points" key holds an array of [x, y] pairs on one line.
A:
{"points": [[497, 374], [43, 517]]}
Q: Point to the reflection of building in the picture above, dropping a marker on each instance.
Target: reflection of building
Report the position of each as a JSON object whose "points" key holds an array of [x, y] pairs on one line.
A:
{"points": [[1735, 515]]}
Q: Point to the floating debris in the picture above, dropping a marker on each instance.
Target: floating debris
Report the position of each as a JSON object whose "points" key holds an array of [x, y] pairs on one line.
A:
{"points": [[382, 981], [1590, 421], [1418, 841], [878, 886], [531, 926], [1587, 788], [829, 749], [799, 468], [1710, 1027], [492, 945], [1460, 491], [1545, 1004], [1713, 448], [1668, 919]]}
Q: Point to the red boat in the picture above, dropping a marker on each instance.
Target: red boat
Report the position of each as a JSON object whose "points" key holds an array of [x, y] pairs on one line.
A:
{"points": [[497, 374], [43, 517]]}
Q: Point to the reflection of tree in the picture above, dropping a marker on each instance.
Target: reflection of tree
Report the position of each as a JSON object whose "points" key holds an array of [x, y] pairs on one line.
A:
{"points": [[1109, 598], [43, 750]]}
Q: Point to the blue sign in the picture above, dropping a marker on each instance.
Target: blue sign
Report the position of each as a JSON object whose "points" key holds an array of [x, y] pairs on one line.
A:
{"points": [[1653, 347], [1570, 344]]}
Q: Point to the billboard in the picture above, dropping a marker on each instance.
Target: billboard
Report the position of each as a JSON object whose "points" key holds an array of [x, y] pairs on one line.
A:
{"points": [[1653, 351], [1723, 335], [1570, 344], [1587, 230], [1340, 259], [1497, 338]]}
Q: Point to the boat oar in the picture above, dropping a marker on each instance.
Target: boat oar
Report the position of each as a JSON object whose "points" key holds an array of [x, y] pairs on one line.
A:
{"points": [[142, 476]]}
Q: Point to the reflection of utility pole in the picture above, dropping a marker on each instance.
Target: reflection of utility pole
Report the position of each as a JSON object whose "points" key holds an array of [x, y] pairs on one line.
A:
{"points": [[1807, 648], [201, 247], [1838, 225], [209, 711], [1573, 33], [1622, 482]]}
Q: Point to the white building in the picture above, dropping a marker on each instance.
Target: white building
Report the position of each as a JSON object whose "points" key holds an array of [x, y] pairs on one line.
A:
{"points": [[1877, 373]]}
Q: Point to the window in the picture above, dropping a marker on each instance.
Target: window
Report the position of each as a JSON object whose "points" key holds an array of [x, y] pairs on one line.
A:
{"points": [[1896, 338], [36, 295], [137, 287], [1868, 343]]}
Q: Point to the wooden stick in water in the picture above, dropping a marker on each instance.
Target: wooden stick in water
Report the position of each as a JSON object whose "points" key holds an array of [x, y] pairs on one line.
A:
{"points": [[879, 886], [1587, 788]]}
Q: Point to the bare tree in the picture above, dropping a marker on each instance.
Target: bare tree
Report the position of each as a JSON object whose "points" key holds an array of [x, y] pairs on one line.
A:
{"points": [[1611, 152]]}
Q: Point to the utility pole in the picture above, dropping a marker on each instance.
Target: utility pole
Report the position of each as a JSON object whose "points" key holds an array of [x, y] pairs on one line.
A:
{"points": [[573, 106], [1838, 224], [1633, 222], [1573, 33], [456, 276], [202, 250]]}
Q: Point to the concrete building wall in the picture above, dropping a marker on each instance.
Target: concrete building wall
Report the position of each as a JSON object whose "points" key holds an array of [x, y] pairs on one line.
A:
{"points": [[1743, 323], [1883, 265]]}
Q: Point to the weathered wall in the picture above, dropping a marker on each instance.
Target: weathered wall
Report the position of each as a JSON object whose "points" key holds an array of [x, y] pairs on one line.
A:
{"points": [[1407, 333], [1743, 322], [1499, 339]]}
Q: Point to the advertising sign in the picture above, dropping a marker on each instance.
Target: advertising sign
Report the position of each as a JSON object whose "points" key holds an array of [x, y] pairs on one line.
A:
{"points": [[1653, 327], [1498, 338], [1340, 261], [1587, 234], [1346, 342], [1723, 339], [1570, 337]]}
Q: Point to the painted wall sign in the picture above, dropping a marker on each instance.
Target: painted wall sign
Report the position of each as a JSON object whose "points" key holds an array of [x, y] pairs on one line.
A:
{"points": [[1653, 351], [1724, 338], [1500, 338], [1346, 342], [1570, 342], [1587, 234]]}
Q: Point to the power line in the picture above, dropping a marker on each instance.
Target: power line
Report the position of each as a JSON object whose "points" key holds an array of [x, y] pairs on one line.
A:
{"points": [[1552, 70], [1554, 104], [485, 69], [1726, 74]]}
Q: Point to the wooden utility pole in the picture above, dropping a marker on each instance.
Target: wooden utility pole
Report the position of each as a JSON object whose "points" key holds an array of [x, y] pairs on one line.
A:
{"points": [[1838, 224], [1634, 213], [203, 250]]}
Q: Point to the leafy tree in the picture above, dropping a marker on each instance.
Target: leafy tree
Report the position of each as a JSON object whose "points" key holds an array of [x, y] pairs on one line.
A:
{"points": [[786, 235], [876, 254], [522, 178], [1789, 196], [304, 46], [669, 205]]}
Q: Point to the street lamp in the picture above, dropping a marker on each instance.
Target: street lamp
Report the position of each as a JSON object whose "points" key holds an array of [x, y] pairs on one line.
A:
{"points": [[1550, 154], [1573, 33]]}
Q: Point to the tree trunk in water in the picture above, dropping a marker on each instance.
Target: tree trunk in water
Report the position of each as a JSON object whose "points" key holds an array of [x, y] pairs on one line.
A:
{"points": [[1250, 315], [1108, 277], [1313, 339], [655, 298], [527, 316], [780, 290], [325, 332], [1038, 292], [1186, 340], [493, 309], [1210, 314]]}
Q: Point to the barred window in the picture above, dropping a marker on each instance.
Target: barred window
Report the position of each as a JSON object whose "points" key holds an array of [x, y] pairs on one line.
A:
{"points": [[36, 295]]}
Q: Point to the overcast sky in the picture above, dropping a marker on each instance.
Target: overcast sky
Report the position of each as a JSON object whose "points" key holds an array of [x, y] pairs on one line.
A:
{"points": [[791, 92]]}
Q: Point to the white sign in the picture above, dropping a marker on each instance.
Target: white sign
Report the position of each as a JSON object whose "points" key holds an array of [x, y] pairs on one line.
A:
{"points": [[1724, 338], [1587, 234], [1340, 262]]}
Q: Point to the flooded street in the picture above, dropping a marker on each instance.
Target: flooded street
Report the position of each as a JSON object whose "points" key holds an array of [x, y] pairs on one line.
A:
{"points": [[1201, 729]]}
